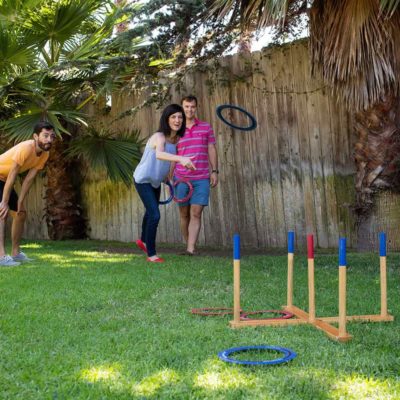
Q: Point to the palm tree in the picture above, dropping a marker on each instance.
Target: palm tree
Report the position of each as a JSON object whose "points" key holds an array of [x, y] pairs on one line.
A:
{"points": [[354, 44], [56, 57]]}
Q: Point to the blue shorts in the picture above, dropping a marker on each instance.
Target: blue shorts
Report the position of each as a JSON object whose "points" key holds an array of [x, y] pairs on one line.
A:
{"points": [[200, 195]]}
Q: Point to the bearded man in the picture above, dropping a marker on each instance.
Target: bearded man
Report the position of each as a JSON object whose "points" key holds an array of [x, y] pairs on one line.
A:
{"points": [[30, 155]]}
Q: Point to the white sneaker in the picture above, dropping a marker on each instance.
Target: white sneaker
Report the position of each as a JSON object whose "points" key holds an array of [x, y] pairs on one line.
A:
{"points": [[8, 261], [21, 257]]}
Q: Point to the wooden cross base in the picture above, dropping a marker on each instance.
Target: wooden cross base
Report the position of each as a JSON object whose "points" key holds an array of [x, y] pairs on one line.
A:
{"points": [[322, 323]]}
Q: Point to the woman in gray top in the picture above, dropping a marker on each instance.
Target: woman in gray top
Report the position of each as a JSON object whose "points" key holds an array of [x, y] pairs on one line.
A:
{"points": [[153, 169]]}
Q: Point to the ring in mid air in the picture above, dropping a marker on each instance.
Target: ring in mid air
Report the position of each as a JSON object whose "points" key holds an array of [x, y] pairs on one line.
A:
{"points": [[253, 124]]}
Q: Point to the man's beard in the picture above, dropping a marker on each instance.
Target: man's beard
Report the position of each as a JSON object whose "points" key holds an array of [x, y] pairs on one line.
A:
{"points": [[44, 146]]}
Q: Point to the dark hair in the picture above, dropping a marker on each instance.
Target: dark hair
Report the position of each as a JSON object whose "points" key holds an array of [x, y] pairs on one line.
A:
{"points": [[42, 125], [164, 125], [190, 99]]}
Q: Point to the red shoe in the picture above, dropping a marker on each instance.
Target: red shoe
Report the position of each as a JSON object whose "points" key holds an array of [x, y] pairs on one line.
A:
{"points": [[157, 260], [141, 245]]}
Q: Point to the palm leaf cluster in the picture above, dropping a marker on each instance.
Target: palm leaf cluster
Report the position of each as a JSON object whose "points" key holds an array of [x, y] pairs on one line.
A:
{"points": [[56, 56]]}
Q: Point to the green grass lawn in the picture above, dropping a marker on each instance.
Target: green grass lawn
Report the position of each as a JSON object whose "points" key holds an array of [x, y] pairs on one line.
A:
{"points": [[79, 323]]}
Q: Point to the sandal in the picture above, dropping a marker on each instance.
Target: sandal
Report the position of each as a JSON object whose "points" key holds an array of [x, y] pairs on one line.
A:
{"points": [[156, 260], [141, 245]]}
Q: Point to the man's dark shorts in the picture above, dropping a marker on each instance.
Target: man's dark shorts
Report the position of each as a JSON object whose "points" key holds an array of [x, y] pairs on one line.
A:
{"points": [[13, 202]]}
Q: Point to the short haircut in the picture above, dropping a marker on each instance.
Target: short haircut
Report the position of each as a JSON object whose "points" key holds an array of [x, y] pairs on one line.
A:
{"points": [[190, 99], [164, 125], [42, 125]]}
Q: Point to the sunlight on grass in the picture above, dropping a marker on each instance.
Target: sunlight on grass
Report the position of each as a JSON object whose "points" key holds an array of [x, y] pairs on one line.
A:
{"points": [[359, 387], [53, 258], [32, 246], [151, 384], [83, 257], [227, 377], [101, 374], [94, 254]]}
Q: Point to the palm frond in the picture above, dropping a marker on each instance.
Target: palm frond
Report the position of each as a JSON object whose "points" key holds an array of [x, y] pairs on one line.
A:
{"points": [[389, 6], [248, 12], [50, 27], [12, 11], [14, 51], [117, 153], [19, 128], [355, 47]]}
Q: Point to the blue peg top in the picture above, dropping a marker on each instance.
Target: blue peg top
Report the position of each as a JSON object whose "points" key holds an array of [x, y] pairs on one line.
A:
{"points": [[382, 244], [290, 246], [342, 252], [236, 246]]}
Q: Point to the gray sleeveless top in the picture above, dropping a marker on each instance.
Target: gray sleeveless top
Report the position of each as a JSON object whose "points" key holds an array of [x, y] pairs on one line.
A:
{"points": [[150, 170]]}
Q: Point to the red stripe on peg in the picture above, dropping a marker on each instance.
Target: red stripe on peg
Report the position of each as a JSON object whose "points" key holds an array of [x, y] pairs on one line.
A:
{"points": [[310, 246]]}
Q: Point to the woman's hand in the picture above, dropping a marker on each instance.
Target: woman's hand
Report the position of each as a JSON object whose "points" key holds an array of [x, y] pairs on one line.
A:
{"points": [[188, 163]]}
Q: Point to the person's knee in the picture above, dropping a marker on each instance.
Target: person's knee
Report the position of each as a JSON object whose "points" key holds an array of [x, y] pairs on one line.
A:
{"points": [[21, 215], [154, 217], [184, 213], [195, 213]]}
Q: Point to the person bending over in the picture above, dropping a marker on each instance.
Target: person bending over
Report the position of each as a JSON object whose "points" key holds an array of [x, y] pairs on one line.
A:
{"points": [[31, 156]]}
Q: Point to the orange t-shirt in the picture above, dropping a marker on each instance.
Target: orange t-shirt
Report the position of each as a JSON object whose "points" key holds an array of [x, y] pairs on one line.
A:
{"points": [[24, 154]]}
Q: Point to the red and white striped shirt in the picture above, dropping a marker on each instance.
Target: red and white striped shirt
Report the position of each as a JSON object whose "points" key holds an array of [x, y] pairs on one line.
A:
{"points": [[195, 143]]}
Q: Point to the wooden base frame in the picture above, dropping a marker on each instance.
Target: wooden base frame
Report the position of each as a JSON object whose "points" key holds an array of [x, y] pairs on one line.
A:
{"points": [[322, 323], [302, 317]]}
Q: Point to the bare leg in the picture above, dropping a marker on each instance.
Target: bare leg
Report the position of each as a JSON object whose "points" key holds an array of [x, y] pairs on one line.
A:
{"points": [[184, 213], [2, 237], [194, 226], [17, 231]]}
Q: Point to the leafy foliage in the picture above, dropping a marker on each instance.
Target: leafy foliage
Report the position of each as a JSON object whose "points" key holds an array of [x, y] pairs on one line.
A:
{"points": [[56, 56], [117, 152]]}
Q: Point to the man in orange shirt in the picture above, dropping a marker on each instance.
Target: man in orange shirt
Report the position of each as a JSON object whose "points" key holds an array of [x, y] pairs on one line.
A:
{"points": [[30, 156]]}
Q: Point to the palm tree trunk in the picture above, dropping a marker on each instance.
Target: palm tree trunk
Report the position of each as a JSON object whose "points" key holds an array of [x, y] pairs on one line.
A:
{"points": [[377, 157], [244, 43], [64, 215]]}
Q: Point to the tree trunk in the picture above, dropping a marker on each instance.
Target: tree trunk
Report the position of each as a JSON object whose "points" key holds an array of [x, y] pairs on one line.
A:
{"points": [[244, 43], [64, 215], [377, 157]]}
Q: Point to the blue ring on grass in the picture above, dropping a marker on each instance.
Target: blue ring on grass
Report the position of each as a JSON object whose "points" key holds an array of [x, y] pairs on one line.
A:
{"points": [[241, 128], [287, 355], [171, 194]]}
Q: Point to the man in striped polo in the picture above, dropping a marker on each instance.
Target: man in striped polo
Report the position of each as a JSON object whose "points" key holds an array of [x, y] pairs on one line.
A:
{"points": [[198, 141]]}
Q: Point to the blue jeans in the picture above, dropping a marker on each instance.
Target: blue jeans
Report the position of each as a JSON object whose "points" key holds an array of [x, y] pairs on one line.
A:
{"points": [[150, 197]]}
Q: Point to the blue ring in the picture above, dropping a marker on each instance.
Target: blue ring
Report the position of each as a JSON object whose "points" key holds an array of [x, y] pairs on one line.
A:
{"points": [[288, 355], [241, 128], [171, 194]]}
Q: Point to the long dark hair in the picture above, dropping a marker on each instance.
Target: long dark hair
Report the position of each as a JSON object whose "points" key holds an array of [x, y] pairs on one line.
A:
{"points": [[164, 125]]}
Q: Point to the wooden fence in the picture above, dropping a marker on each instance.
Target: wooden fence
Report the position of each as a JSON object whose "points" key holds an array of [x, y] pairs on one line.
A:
{"points": [[293, 172]]}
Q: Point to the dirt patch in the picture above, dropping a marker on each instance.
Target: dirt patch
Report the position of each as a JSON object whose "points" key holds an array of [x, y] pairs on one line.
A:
{"points": [[203, 251]]}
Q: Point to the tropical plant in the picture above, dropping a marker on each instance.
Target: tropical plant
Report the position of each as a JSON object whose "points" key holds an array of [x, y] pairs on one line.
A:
{"points": [[56, 56], [354, 44]]}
